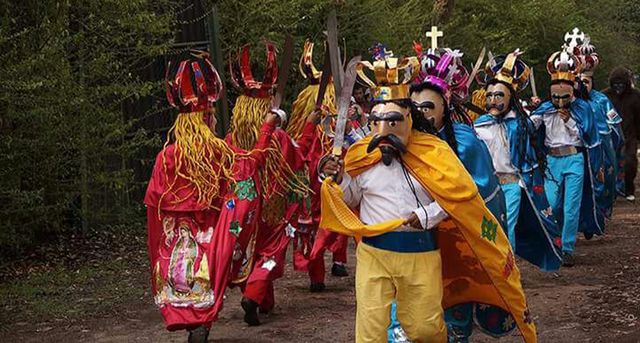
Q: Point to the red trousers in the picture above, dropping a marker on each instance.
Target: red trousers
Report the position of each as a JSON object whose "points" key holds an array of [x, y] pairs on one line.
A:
{"points": [[261, 291], [326, 240]]}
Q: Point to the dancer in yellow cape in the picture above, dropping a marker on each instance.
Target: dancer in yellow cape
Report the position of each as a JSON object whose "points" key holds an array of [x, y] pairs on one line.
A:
{"points": [[430, 241]]}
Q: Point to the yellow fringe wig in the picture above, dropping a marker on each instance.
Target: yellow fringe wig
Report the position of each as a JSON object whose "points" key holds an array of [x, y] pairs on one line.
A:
{"points": [[277, 177], [305, 104], [478, 98], [200, 157]]}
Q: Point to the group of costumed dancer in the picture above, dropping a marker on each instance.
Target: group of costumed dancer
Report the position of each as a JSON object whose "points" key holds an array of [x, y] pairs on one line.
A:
{"points": [[438, 197]]}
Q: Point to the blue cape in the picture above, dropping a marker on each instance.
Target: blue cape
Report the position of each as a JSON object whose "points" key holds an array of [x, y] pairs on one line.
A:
{"points": [[591, 220], [536, 230], [475, 157], [605, 181], [617, 137]]}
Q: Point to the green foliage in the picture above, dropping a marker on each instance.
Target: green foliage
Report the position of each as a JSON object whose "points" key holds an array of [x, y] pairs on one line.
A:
{"points": [[535, 26], [68, 68]]}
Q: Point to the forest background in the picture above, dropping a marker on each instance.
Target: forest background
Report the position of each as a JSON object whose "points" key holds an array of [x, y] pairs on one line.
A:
{"points": [[82, 109]]}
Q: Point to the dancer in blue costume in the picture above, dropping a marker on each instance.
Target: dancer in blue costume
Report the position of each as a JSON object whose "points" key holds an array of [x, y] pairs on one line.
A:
{"points": [[603, 160], [519, 162], [567, 127], [437, 110]]}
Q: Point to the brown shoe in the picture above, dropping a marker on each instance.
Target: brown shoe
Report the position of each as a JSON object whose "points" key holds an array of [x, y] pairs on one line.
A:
{"points": [[339, 270], [250, 308], [568, 260], [198, 335]]}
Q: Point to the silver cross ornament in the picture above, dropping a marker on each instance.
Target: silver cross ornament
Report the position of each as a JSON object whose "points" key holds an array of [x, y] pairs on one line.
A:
{"points": [[575, 38]]}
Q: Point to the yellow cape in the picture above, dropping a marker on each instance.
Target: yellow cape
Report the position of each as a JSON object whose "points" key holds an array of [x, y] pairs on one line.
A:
{"points": [[477, 262]]}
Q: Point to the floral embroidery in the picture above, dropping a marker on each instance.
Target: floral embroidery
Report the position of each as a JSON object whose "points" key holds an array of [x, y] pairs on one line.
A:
{"points": [[527, 316], [509, 265], [168, 224], [489, 229], [508, 323]]}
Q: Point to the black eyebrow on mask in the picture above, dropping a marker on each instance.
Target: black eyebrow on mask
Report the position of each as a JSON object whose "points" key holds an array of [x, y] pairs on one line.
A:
{"points": [[387, 116], [556, 96], [495, 93], [428, 104]]}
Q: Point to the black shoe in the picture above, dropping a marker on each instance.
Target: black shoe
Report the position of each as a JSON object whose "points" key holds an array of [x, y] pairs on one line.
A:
{"points": [[339, 270], [317, 287], [588, 236], [198, 335], [568, 260], [250, 308]]}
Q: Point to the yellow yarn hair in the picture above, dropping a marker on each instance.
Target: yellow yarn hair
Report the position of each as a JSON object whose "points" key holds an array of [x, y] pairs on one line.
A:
{"points": [[200, 157], [478, 98], [305, 104], [277, 176]]}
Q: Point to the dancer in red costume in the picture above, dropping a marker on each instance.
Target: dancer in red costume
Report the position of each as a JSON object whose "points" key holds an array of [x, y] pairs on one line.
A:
{"points": [[282, 182], [201, 200], [310, 242]]}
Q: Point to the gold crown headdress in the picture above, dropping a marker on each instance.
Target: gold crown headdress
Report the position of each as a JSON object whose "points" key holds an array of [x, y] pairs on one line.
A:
{"points": [[393, 76], [509, 69]]}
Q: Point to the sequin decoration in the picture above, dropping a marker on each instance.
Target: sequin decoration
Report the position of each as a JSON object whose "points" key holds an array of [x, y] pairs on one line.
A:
{"points": [[231, 204], [290, 230], [246, 189], [235, 228], [269, 264]]}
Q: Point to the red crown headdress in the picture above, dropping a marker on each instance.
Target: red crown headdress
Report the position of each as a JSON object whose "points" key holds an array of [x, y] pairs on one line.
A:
{"points": [[242, 77], [564, 65], [193, 84], [588, 57], [306, 66]]}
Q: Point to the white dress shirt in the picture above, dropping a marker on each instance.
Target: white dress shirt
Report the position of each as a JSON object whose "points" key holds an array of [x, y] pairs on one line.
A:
{"points": [[495, 137], [383, 193], [558, 132]]}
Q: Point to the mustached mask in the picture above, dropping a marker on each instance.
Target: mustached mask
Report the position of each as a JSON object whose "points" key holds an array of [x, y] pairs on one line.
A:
{"points": [[564, 67], [498, 98], [391, 126], [390, 118], [561, 94]]}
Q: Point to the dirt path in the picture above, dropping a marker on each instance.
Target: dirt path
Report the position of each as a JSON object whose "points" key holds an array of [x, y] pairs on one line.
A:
{"points": [[596, 301]]}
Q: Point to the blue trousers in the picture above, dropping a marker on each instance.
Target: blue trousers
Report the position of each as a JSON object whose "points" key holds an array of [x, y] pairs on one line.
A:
{"points": [[563, 185], [512, 195]]}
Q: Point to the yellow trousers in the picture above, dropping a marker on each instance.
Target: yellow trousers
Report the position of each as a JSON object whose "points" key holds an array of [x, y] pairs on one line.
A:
{"points": [[413, 279]]}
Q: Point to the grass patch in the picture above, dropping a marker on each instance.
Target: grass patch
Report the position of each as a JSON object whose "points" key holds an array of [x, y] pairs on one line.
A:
{"points": [[95, 288]]}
